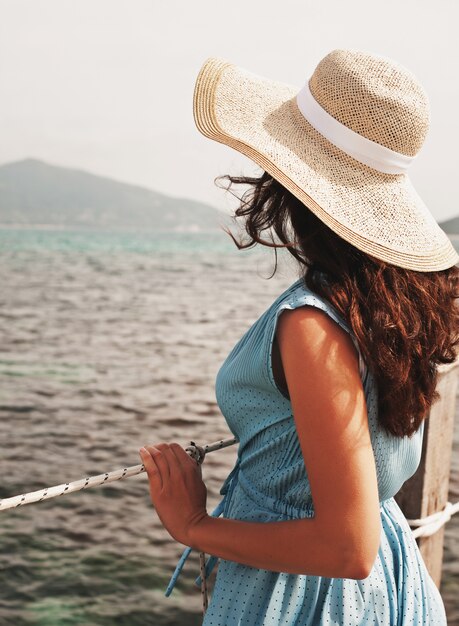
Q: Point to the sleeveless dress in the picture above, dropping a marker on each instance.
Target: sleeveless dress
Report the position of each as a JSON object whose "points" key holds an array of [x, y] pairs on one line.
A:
{"points": [[269, 482]]}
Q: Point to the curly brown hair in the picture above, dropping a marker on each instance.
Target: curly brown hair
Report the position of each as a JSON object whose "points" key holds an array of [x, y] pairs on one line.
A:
{"points": [[406, 322]]}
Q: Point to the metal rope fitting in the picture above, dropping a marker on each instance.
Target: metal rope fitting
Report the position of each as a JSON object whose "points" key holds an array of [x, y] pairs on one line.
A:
{"points": [[196, 452]]}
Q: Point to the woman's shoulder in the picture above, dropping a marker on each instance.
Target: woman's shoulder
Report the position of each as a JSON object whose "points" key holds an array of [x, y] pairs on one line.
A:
{"points": [[299, 294]]}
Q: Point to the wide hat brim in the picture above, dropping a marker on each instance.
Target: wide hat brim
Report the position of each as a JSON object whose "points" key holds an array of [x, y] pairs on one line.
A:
{"points": [[380, 214]]}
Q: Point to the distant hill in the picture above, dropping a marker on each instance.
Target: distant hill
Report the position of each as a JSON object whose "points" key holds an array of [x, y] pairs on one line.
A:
{"points": [[35, 193], [451, 226]]}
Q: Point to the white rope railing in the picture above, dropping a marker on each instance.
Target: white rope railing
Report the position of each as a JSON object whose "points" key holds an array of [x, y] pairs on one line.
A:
{"points": [[426, 525], [431, 523], [197, 452]]}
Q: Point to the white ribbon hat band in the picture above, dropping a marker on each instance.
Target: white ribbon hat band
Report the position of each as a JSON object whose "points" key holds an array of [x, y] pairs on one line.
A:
{"points": [[357, 146]]}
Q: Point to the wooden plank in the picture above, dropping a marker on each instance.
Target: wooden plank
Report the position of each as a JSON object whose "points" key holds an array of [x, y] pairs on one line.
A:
{"points": [[426, 492]]}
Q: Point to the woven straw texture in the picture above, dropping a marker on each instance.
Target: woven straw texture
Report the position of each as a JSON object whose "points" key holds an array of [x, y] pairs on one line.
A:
{"points": [[380, 214], [379, 100]]}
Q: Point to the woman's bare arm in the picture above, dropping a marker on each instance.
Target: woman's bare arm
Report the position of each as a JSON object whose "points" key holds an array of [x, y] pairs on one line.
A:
{"points": [[342, 540]]}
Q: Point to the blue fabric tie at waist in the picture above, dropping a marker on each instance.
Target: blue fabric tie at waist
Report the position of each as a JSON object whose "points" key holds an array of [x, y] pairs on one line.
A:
{"points": [[222, 507]]}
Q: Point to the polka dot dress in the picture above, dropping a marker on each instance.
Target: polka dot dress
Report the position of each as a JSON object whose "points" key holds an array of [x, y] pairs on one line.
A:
{"points": [[269, 482]]}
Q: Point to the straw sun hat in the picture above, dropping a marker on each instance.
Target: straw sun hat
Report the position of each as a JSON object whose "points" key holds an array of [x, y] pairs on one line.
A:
{"points": [[341, 144]]}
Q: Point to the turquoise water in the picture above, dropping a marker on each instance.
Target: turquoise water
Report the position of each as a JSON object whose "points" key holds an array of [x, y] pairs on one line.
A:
{"points": [[101, 241]]}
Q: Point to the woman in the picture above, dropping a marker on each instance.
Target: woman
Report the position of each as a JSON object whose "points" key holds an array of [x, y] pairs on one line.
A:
{"points": [[327, 391]]}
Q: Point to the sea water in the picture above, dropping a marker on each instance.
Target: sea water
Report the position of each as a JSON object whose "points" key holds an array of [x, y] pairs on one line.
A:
{"points": [[110, 341]]}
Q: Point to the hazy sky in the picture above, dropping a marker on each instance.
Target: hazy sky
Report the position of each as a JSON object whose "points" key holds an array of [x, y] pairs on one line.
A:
{"points": [[107, 85]]}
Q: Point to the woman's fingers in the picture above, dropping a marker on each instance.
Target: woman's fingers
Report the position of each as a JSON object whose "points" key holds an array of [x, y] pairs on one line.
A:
{"points": [[182, 456], [161, 460], [185, 461], [149, 462], [173, 464], [166, 459]]}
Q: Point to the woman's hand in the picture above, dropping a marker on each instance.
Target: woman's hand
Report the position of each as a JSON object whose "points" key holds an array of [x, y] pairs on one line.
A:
{"points": [[177, 490]]}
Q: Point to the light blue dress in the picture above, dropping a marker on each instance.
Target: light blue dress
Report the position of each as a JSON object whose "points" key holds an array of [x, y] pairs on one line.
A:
{"points": [[269, 482]]}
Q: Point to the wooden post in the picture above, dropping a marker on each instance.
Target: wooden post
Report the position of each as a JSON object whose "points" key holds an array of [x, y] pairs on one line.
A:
{"points": [[426, 492]]}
